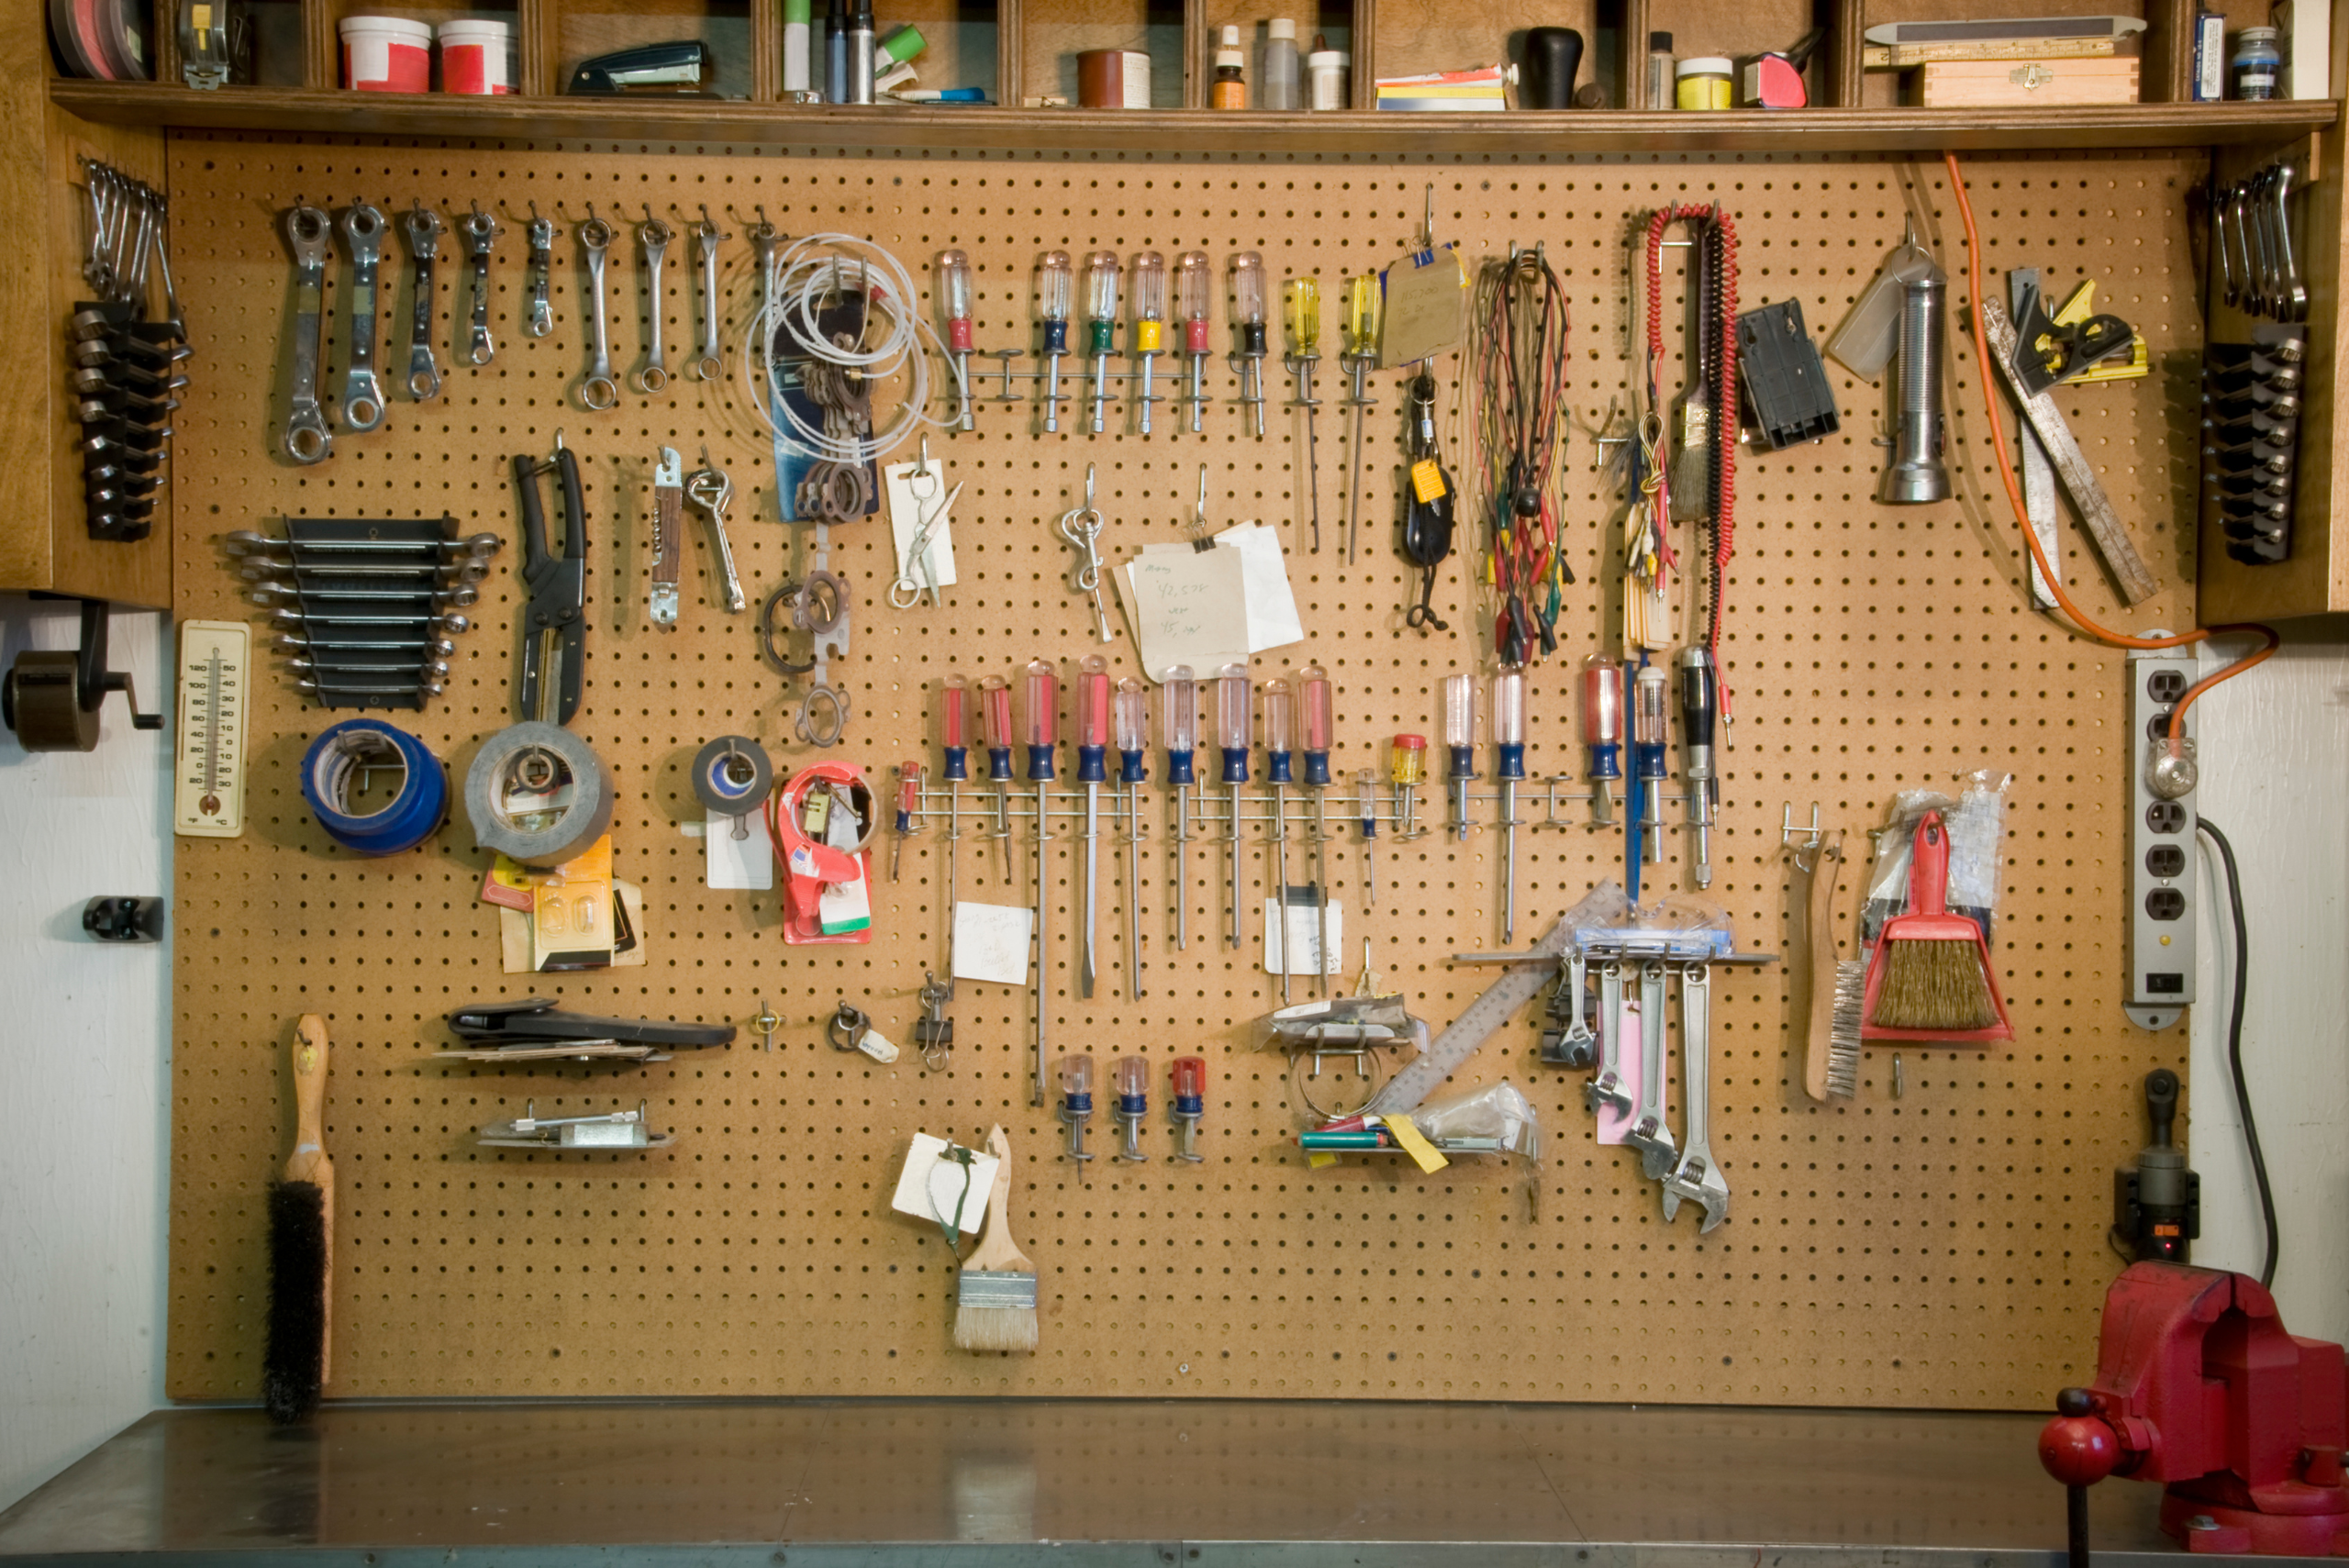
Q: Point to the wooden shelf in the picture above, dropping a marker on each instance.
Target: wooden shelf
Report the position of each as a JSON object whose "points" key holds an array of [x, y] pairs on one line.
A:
{"points": [[1077, 133]]}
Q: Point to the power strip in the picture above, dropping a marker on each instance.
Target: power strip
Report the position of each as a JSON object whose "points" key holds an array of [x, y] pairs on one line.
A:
{"points": [[2160, 852]]}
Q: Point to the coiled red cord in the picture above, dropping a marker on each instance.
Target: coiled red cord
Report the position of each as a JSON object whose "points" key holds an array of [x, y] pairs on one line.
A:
{"points": [[1726, 413]]}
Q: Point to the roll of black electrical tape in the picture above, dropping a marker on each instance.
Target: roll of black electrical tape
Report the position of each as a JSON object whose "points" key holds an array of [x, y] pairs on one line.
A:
{"points": [[538, 795], [1552, 55], [732, 775]]}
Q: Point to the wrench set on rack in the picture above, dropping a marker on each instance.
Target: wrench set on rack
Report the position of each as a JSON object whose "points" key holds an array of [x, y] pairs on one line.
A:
{"points": [[125, 378], [2252, 391]]}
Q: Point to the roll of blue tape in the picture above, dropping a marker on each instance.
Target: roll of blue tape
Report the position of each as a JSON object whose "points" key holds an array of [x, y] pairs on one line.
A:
{"points": [[333, 761]]}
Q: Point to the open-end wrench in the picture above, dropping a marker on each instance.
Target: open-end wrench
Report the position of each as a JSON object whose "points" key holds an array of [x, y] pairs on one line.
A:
{"points": [[1607, 1088], [710, 365], [1698, 1179], [654, 377], [424, 227], [709, 488], [597, 390], [2248, 230], [542, 233], [362, 398], [1648, 1132], [481, 233], [307, 439]]}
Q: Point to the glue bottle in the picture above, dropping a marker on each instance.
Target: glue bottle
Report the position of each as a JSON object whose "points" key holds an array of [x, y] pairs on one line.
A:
{"points": [[1231, 89]]}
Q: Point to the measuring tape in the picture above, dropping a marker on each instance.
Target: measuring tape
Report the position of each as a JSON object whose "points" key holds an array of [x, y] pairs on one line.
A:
{"points": [[1519, 985], [352, 749], [209, 781]]}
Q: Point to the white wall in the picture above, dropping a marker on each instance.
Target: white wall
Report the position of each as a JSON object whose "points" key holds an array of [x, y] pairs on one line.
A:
{"points": [[2274, 746], [85, 1074]]}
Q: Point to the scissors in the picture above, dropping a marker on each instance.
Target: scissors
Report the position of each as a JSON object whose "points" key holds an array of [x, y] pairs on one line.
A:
{"points": [[924, 484], [1081, 526]]}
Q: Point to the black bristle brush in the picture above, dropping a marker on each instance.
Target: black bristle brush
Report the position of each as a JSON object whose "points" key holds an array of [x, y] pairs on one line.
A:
{"points": [[301, 1243]]}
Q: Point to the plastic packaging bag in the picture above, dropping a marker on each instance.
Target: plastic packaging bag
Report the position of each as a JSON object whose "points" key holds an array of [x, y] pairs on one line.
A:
{"points": [[1977, 824], [1497, 1111]]}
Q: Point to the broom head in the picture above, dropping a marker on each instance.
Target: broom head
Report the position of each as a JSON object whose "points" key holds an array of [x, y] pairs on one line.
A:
{"points": [[1931, 978]]}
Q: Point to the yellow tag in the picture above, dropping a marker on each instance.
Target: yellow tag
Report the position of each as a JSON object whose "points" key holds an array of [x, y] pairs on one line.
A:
{"points": [[1316, 1160], [1427, 481], [1414, 1142], [200, 17]]}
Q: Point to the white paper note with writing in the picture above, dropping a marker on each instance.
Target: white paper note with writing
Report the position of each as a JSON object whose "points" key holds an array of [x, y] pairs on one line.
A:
{"points": [[991, 942], [1304, 938], [905, 521], [1187, 607], [1273, 621]]}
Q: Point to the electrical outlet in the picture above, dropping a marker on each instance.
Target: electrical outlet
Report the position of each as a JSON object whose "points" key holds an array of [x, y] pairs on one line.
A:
{"points": [[2160, 852]]}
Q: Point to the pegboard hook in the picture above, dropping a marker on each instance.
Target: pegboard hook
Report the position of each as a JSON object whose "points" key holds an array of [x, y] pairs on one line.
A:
{"points": [[1788, 831]]}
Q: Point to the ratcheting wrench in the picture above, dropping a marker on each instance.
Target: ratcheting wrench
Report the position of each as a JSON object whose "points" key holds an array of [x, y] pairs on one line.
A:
{"points": [[542, 233], [362, 398], [711, 364], [481, 233], [423, 246], [307, 438], [710, 489], [654, 377], [597, 390]]}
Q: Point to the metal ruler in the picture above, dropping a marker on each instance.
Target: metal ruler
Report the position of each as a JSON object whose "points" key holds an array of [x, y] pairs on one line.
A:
{"points": [[2112, 541], [2038, 474], [1518, 985], [208, 779]]}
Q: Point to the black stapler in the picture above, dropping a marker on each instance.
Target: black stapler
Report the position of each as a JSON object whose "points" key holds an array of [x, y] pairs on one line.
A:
{"points": [[682, 69]]}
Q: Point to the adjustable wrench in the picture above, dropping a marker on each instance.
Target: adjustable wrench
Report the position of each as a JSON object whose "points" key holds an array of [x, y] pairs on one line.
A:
{"points": [[654, 377], [541, 232], [1699, 1179], [1648, 1133], [711, 364], [423, 245], [710, 489], [1575, 1045], [597, 390], [481, 233], [1607, 1089], [668, 526], [363, 399]]}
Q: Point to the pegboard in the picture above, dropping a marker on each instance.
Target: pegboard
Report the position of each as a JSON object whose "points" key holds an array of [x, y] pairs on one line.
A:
{"points": [[1943, 1247]]}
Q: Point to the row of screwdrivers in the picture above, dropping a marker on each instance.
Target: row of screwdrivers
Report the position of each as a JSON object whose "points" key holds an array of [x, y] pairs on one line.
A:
{"points": [[1187, 1074]]}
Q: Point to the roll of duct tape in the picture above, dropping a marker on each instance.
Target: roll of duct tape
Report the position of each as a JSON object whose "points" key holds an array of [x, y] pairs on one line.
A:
{"points": [[538, 795], [732, 775], [335, 768]]}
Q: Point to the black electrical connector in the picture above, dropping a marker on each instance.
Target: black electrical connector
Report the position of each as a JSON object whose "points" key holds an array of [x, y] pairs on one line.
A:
{"points": [[1785, 386], [2157, 1202]]}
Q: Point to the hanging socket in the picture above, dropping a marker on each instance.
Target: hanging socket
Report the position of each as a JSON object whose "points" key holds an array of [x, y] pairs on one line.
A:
{"points": [[2161, 843]]}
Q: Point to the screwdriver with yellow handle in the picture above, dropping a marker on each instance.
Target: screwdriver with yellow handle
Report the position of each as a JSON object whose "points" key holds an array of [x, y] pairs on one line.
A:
{"points": [[1362, 353], [1303, 302]]}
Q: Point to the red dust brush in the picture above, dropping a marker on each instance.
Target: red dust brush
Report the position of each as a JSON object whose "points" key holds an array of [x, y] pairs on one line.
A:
{"points": [[1930, 979]]}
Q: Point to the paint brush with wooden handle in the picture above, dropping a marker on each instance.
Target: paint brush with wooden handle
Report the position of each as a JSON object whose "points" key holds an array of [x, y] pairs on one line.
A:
{"points": [[301, 1242]]}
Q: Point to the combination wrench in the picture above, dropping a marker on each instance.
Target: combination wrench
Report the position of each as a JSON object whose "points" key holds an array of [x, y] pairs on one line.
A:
{"points": [[423, 229], [362, 398], [481, 233], [654, 377], [1648, 1133], [711, 364], [709, 488], [542, 233], [307, 439], [1699, 1179], [597, 390]]}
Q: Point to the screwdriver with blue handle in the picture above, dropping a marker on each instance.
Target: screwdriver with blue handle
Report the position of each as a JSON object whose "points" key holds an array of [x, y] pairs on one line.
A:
{"points": [[1132, 723], [1179, 722], [1313, 693], [1092, 754], [1279, 717]]}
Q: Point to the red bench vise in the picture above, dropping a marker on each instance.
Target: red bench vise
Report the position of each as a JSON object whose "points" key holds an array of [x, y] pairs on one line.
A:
{"points": [[2199, 1386]]}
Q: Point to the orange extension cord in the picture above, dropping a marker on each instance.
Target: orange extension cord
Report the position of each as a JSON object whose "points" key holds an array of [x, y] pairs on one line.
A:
{"points": [[1986, 374]]}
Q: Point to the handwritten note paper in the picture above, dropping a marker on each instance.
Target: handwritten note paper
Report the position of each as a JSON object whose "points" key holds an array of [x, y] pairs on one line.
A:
{"points": [[1273, 621], [1187, 606], [991, 942]]}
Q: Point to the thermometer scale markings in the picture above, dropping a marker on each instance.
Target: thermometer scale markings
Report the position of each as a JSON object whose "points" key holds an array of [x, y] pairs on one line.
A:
{"points": [[209, 791]]}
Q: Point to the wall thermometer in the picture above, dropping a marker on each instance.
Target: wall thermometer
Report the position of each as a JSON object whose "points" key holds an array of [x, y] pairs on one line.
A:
{"points": [[208, 787]]}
